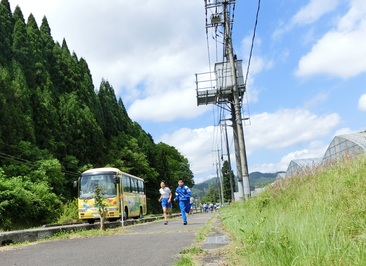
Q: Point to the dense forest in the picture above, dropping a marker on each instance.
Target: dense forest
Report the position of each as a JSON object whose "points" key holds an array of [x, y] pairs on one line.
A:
{"points": [[54, 124]]}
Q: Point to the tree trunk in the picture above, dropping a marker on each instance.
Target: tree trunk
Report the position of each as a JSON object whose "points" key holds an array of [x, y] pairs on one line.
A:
{"points": [[102, 219]]}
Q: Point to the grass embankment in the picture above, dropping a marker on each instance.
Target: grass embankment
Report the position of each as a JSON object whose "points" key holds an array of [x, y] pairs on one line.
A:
{"points": [[315, 219]]}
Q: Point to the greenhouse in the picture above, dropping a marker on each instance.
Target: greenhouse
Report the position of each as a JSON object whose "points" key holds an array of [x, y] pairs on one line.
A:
{"points": [[302, 166], [345, 146]]}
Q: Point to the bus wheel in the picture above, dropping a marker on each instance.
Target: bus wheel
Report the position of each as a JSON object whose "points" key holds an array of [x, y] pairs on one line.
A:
{"points": [[91, 221], [141, 215]]}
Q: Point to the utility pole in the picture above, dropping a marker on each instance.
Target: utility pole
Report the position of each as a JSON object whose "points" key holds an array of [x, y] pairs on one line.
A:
{"points": [[230, 87], [229, 161], [237, 154], [219, 175], [244, 177]]}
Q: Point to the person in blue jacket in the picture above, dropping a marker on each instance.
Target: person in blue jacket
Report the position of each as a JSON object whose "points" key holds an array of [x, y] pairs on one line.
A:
{"points": [[182, 194]]}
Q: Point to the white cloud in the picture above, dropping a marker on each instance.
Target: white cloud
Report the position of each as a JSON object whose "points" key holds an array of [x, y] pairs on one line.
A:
{"points": [[252, 95], [316, 149], [362, 103], [38, 8], [287, 127], [258, 64], [314, 10], [274, 131], [317, 100], [336, 54], [305, 154], [196, 145], [308, 14], [343, 131], [339, 51], [167, 107], [355, 16]]}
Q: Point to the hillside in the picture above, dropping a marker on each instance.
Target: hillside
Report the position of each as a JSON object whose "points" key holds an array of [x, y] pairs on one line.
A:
{"points": [[313, 219], [256, 179]]}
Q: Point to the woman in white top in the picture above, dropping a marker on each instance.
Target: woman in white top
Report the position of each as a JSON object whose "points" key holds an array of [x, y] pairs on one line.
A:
{"points": [[165, 199]]}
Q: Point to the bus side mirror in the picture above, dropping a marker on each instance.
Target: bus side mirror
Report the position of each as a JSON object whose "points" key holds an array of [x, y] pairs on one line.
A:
{"points": [[117, 179], [75, 184]]}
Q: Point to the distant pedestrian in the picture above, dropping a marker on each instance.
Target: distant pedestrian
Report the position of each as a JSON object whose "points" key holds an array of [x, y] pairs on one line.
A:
{"points": [[211, 207], [191, 202], [182, 194], [165, 200]]}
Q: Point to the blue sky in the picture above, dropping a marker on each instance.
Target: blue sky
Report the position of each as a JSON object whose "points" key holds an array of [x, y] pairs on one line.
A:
{"points": [[306, 82]]}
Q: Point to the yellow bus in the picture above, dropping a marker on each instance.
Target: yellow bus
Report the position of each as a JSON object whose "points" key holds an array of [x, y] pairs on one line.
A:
{"points": [[118, 189]]}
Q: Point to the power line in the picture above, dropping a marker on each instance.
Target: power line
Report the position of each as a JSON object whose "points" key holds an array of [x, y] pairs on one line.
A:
{"points": [[29, 163], [252, 45]]}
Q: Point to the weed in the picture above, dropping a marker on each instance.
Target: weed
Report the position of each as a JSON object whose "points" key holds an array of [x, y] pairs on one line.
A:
{"points": [[185, 261]]}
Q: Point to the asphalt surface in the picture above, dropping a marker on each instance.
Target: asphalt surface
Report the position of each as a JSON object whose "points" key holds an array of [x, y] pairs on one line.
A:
{"points": [[144, 244]]}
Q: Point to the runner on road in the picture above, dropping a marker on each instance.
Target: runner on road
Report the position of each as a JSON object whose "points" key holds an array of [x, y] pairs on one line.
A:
{"points": [[165, 199], [182, 194]]}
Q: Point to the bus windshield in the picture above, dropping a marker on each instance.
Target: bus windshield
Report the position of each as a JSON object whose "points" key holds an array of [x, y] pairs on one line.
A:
{"points": [[106, 183]]}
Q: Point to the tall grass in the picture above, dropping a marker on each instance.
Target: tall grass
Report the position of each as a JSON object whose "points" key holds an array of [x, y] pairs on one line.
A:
{"points": [[315, 219], [69, 212]]}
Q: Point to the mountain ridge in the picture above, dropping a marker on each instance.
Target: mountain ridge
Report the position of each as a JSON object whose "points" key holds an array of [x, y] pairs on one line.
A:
{"points": [[256, 180]]}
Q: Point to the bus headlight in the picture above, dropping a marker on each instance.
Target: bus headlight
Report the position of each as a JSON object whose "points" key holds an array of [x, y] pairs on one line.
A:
{"points": [[82, 210], [112, 209]]}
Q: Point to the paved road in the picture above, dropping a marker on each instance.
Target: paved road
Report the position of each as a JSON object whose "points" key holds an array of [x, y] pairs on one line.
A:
{"points": [[145, 244]]}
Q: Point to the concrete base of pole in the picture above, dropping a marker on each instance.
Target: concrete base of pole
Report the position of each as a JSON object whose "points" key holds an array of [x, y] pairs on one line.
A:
{"points": [[240, 190], [246, 187]]}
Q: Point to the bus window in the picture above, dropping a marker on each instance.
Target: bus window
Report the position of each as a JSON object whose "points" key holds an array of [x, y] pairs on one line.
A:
{"points": [[126, 183], [90, 182], [109, 186], [141, 186], [134, 185]]}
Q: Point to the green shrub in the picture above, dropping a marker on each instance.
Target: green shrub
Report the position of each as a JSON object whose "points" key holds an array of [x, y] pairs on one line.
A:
{"points": [[24, 204], [69, 212]]}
